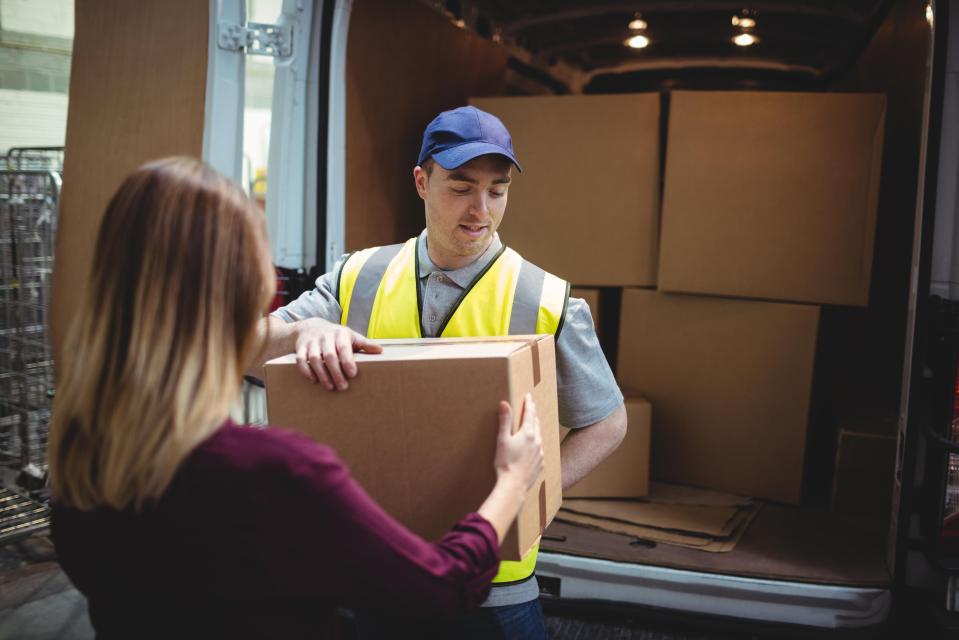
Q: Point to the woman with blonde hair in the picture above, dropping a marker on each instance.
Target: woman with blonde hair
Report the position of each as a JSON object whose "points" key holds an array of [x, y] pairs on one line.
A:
{"points": [[176, 522]]}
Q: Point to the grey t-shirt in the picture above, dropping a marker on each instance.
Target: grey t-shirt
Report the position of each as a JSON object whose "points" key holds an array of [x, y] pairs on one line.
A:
{"points": [[587, 391]]}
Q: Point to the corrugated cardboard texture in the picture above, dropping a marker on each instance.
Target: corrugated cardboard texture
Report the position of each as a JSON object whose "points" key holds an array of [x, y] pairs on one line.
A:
{"points": [[803, 545], [730, 381], [418, 427], [772, 195], [689, 518], [405, 63], [661, 492], [137, 92], [586, 205], [625, 473]]}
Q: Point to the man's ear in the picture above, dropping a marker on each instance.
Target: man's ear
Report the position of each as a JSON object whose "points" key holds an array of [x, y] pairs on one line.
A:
{"points": [[420, 179]]}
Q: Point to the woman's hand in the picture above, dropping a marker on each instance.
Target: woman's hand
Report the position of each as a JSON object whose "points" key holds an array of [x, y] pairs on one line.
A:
{"points": [[519, 455], [519, 461]]}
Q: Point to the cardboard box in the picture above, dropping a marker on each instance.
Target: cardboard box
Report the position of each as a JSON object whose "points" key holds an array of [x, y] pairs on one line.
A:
{"points": [[137, 93], [418, 426], [771, 195], [586, 205], [731, 382], [625, 473], [864, 471]]}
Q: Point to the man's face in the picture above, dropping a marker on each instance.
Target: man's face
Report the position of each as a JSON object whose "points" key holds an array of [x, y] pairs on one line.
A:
{"points": [[464, 206]]}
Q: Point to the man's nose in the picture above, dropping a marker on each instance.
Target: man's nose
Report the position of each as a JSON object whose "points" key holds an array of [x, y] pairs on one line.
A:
{"points": [[479, 202]]}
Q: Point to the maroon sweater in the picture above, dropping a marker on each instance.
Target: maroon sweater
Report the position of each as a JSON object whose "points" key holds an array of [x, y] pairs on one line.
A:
{"points": [[261, 534]]}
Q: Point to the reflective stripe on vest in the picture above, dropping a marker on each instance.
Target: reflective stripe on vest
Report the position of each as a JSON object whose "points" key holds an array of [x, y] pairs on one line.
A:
{"points": [[380, 298]]}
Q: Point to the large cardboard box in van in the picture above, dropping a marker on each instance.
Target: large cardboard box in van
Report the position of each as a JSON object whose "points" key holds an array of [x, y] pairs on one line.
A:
{"points": [[771, 195], [730, 381], [586, 205], [625, 473], [418, 426]]}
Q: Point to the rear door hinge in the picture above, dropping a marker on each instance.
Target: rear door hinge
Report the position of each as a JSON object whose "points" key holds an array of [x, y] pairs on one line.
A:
{"points": [[257, 38]]}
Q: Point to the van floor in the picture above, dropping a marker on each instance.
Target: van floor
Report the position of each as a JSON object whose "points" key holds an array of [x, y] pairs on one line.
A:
{"points": [[785, 543], [38, 602]]}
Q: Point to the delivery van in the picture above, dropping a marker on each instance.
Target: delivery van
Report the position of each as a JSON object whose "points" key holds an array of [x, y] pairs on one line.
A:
{"points": [[760, 198]]}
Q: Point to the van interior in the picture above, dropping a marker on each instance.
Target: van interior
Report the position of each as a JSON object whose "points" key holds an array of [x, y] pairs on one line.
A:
{"points": [[407, 61]]}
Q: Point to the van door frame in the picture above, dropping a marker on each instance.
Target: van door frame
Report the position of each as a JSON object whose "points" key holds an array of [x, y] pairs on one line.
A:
{"points": [[907, 558]]}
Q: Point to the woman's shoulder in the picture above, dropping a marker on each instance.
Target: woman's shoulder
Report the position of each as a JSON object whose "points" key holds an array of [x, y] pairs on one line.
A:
{"points": [[249, 448]]}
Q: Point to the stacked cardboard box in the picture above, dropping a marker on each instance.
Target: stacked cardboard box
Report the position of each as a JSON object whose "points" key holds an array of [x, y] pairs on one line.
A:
{"points": [[766, 197], [768, 211], [771, 195], [587, 204], [730, 382]]}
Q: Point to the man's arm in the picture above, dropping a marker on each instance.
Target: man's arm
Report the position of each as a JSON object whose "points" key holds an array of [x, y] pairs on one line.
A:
{"points": [[278, 339], [584, 448], [589, 399], [324, 349]]}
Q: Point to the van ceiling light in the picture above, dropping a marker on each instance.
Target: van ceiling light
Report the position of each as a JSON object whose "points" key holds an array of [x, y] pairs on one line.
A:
{"points": [[745, 40], [638, 42], [930, 15], [744, 22], [637, 23]]}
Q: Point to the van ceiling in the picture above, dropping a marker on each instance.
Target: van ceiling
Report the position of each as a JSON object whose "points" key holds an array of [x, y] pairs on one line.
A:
{"points": [[690, 42]]}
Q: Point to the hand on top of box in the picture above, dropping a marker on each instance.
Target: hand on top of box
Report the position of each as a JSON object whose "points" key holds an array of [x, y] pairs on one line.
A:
{"points": [[324, 352]]}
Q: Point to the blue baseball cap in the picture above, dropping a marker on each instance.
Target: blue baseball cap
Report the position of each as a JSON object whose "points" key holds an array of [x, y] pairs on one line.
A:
{"points": [[455, 137]]}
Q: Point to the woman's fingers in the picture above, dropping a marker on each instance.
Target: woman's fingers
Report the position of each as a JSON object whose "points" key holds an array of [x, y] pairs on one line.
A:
{"points": [[505, 420]]}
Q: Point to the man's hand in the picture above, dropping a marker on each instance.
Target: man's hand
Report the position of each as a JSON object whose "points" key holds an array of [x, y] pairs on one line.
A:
{"points": [[324, 352]]}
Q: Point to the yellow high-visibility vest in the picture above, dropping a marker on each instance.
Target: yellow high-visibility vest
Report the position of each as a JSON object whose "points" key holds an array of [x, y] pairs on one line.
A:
{"points": [[378, 291]]}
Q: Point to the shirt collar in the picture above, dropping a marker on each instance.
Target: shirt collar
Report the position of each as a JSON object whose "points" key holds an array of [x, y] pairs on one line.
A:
{"points": [[463, 276]]}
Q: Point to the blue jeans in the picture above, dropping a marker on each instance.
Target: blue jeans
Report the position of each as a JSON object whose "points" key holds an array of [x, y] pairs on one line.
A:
{"points": [[514, 622]]}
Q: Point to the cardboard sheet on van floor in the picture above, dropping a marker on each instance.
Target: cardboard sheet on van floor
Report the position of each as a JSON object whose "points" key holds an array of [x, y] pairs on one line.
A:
{"points": [[661, 492], [724, 541], [709, 521], [694, 518]]}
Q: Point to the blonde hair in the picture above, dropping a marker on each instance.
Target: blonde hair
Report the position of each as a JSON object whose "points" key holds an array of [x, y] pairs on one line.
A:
{"points": [[156, 353]]}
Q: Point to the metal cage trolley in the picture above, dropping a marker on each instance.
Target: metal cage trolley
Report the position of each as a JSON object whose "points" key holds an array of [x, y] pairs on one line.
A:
{"points": [[30, 180]]}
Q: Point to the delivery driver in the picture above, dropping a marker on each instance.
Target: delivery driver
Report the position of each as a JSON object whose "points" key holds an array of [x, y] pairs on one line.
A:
{"points": [[458, 279]]}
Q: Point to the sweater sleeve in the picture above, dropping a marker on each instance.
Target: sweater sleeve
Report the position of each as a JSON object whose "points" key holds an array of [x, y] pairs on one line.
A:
{"points": [[343, 545]]}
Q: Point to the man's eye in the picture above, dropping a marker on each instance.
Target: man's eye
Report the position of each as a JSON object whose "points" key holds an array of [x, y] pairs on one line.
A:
{"points": [[497, 194], [460, 191]]}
